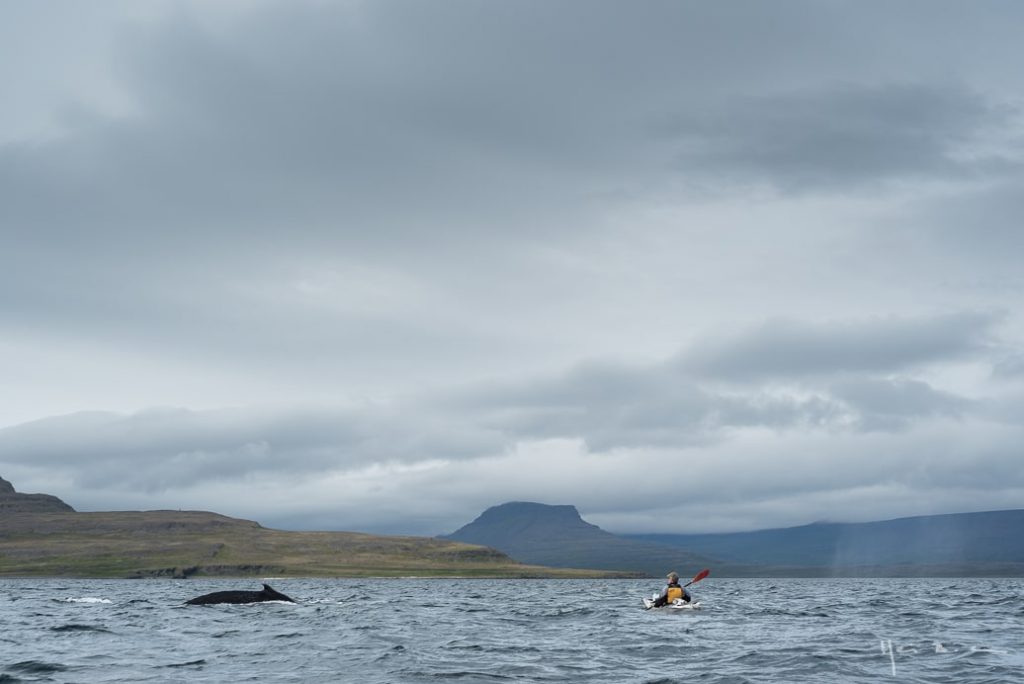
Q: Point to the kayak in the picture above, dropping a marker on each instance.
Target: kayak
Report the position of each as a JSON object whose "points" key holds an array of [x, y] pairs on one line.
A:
{"points": [[678, 604]]}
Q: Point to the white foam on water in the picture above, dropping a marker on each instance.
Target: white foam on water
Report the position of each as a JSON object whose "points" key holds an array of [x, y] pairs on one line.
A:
{"points": [[86, 599], [887, 649]]}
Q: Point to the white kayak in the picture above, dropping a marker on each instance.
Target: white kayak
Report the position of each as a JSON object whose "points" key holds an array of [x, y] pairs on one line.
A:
{"points": [[678, 604]]}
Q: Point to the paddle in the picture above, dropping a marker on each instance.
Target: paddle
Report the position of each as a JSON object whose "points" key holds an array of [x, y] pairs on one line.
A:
{"points": [[696, 578]]}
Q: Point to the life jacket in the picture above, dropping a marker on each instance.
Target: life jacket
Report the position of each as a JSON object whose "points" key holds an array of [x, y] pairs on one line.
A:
{"points": [[674, 592]]}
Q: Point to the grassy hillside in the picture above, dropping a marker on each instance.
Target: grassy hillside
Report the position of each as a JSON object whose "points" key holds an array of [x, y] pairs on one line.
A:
{"points": [[187, 543]]}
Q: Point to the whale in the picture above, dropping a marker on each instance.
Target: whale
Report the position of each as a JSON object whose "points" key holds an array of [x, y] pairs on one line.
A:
{"points": [[267, 593]]}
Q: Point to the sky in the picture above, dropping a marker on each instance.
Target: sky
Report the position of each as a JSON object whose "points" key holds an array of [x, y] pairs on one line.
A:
{"points": [[379, 265]]}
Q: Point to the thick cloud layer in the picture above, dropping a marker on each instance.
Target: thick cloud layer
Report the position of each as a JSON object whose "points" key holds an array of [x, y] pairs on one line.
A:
{"points": [[394, 262], [618, 440]]}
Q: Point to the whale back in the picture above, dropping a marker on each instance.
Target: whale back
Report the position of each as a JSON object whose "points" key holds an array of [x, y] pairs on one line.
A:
{"points": [[268, 593]]}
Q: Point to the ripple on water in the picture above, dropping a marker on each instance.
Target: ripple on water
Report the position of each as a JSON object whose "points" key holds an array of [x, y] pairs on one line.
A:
{"points": [[191, 663], [79, 628], [36, 667]]}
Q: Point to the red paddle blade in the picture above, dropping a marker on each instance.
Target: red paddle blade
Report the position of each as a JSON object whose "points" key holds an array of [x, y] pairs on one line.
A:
{"points": [[699, 576]]}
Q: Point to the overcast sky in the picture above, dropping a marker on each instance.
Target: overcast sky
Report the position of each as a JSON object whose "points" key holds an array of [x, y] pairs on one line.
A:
{"points": [[354, 265]]}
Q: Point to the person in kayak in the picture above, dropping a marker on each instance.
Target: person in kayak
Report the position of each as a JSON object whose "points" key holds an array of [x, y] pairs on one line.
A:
{"points": [[672, 592]]}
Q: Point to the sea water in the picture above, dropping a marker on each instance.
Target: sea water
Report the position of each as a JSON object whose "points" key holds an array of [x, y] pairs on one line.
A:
{"points": [[417, 630]]}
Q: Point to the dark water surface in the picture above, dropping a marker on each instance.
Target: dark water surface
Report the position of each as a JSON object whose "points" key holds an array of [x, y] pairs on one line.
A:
{"points": [[779, 630]]}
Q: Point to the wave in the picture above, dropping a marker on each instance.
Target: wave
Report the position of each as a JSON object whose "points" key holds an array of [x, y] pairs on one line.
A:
{"points": [[78, 628], [36, 667]]}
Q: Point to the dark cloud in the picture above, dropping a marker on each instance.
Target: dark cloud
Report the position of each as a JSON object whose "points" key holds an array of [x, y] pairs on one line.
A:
{"points": [[429, 141], [360, 126], [794, 349], [839, 137], [885, 404]]}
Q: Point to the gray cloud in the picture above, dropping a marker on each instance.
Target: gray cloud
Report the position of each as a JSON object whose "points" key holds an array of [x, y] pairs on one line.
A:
{"points": [[977, 229], [1009, 367], [604, 406], [362, 117], [425, 141], [894, 404], [611, 406], [840, 378], [421, 220], [174, 449], [840, 137], [794, 348]]}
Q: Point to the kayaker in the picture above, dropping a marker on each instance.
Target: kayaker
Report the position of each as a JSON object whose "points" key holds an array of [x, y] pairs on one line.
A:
{"points": [[672, 592]]}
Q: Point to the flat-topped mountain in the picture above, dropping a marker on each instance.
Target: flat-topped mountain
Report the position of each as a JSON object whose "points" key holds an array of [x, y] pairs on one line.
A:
{"points": [[558, 537], [15, 502]]}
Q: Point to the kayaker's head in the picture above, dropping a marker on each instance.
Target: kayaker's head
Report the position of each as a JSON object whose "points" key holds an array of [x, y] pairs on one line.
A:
{"points": [[673, 578]]}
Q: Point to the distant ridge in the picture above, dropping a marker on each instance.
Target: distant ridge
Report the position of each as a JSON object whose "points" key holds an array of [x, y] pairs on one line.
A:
{"points": [[990, 542], [15, 502], [952, 545], [557, 536]]}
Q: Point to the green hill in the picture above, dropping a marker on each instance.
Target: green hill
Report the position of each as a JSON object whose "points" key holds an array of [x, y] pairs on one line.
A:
{"points": [[187, 543], [40, 535]]}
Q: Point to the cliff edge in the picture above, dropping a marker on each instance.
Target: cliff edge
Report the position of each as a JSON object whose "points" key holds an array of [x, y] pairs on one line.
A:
{"points": [[12, 501]]}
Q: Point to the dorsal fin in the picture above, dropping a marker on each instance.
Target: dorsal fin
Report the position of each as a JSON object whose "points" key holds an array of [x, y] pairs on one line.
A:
{"points": [[275, 594]]}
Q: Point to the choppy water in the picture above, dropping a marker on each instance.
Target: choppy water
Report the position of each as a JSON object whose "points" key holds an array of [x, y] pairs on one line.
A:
{"points": [[938, 630]]}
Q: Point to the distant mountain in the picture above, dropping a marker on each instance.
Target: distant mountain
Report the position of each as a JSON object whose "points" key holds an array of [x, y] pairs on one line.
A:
{"points": [[557, 536], [15, 502], [965, 544], [961, 543]]}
